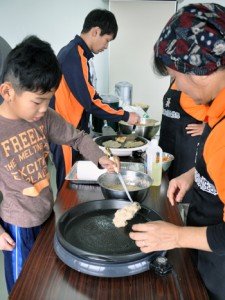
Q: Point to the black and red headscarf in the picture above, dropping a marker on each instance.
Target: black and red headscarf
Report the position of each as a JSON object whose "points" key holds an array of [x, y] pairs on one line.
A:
{"points": [[193, 40]]}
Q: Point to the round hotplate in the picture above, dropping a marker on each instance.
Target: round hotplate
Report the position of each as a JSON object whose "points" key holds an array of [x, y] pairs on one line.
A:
{"points": [[101, 268], [87, 231]]}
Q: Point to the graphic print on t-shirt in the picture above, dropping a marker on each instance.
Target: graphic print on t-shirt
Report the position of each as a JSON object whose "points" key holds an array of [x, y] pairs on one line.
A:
{"points": [[26, 154]]}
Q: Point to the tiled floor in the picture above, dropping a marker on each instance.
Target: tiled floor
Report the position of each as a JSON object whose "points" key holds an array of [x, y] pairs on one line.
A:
{"points": [[3, 290]]}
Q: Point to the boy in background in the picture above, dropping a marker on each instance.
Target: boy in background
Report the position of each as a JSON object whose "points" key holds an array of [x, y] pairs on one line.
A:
{"points": [[76, 97], [27, 125]]}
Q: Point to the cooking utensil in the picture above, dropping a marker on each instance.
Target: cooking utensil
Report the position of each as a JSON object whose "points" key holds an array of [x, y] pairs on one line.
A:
{"points": [[147, 128], [72, 176], [107, 130], [166, 161], [121, 151], [124, 186], [87, 231], [141, 181], [109, 153]]}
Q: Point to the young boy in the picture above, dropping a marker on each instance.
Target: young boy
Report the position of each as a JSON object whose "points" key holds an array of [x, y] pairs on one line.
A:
{"points": [[27, 125]]}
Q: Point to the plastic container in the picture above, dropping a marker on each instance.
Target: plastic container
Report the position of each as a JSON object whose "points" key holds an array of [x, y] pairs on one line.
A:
{"points": [[154, 162], [123, 90]]}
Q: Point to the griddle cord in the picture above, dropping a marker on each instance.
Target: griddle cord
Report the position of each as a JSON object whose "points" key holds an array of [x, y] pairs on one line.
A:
{"points": [[165, 269]]}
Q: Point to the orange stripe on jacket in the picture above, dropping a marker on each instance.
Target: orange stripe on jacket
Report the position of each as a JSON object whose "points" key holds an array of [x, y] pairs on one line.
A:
{"points": [[65, 104], [97, 102]]}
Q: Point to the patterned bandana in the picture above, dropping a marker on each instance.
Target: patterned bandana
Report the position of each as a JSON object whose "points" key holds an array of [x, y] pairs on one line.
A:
{"points": [[193, 40]]}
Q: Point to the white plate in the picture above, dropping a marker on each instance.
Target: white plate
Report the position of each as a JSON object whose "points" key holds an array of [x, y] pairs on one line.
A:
{"points": [[125, 152], [121, 151]]}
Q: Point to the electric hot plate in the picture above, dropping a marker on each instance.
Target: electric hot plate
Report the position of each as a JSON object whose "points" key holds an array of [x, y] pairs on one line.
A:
{"points": [[87, 240]]}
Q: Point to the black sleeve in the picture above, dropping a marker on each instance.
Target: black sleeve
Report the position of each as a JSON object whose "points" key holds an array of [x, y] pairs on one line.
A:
{"points": [[216, 238]]}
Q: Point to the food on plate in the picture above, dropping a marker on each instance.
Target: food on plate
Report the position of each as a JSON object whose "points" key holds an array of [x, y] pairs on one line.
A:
{"points": [[125, 213], [133, 144], [116, 144], [121, 139], [111, 144]]}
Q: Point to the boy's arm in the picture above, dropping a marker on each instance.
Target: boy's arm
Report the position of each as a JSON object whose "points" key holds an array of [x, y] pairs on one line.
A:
{"points": [[60, 132]]}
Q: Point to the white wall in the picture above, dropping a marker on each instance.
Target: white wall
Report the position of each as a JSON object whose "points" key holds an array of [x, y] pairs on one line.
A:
{"points": [[54, 21], [186, 2], [58, 21], [140, 24]]}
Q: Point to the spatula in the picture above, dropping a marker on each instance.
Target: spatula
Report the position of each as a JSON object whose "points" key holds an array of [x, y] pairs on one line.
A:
{"points": [[109, 154], [107, 130]]}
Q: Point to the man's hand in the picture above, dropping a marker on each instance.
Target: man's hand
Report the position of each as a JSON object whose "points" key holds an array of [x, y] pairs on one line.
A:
{"points": [[134, 118]]}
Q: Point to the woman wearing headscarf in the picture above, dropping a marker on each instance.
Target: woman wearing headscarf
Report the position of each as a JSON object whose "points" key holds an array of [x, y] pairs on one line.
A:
{"points": [[191, 49]]}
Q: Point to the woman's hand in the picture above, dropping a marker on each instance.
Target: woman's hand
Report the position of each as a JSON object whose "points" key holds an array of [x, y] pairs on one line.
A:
{"points": [[179, 186], [155, 236], [6, 242], [195, 129], [160, 236]]}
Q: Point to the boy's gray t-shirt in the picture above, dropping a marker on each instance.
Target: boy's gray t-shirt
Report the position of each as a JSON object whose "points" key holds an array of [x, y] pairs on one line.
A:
{"points": [[24, 179]]}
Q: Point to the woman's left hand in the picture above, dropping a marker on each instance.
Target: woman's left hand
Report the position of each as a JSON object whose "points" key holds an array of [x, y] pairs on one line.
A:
{"points": [[155, 236]]}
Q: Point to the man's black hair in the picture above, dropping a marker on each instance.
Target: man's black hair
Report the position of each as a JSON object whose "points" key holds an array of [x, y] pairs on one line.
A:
{"points": [[102, 18], [32, 66]]}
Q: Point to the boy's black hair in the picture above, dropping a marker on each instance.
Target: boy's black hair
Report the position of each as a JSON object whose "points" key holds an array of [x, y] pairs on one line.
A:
{"points": [[32, 66], [102, 18]]}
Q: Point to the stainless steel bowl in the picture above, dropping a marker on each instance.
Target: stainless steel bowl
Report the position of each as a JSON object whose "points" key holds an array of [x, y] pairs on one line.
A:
{"points": [[147, 128], [142, 181], [167, 160]]}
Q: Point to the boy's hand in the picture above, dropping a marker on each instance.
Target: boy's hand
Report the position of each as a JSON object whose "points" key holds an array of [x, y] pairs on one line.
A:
{"points": [[109, 164], [6, 242]]}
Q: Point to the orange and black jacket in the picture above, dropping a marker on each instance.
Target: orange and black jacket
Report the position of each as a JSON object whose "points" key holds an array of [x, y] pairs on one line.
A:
{"points": [[76, 98]]}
